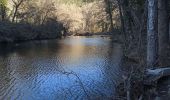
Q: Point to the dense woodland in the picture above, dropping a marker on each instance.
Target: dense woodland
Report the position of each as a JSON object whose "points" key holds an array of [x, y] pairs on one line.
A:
{"points": [[29, 19], [142, 26]]}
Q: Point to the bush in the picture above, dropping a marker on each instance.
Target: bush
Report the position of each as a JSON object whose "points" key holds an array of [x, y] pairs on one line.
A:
{"points": [[10, 32]]}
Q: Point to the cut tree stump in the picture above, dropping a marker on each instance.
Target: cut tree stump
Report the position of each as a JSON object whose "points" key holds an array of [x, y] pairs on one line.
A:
{"points": [[153, 75]]}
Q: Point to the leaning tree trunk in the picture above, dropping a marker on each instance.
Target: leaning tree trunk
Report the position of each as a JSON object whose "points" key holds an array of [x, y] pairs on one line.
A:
{"points": [[15, 13], [152, 33], [163, 30]]}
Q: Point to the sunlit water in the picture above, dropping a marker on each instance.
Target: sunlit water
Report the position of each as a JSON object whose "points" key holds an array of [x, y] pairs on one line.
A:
{"points": [[74, 68]]}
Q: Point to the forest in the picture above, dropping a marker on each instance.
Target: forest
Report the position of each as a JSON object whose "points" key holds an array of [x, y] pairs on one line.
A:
{"points": [[141, 27], [37, 19]]}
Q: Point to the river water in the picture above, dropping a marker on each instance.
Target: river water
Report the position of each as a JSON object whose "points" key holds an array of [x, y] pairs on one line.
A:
{"points": [[73, 68]]}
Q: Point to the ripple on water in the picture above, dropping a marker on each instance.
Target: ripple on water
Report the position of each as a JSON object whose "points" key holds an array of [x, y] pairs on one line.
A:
{"points": [[72, 68]]}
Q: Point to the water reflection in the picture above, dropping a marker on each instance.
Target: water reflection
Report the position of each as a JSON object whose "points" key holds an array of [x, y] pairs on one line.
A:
{"points": [[71, 68]]}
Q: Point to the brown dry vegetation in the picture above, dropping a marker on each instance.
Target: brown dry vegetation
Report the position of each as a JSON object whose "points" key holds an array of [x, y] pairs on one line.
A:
{"points": [[57, 17]]}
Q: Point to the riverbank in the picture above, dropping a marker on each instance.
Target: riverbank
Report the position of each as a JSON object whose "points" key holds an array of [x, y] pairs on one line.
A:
{"points": [[134, 84], [14, 32]]}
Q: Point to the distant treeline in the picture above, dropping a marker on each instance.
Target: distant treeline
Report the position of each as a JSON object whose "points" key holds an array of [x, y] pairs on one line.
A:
{"points": [[69, 16], [10, 32], [29, 19], [93, 16]]}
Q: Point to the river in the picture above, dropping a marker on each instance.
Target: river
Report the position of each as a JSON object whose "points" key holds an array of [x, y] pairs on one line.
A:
{"points": [[73, 68]]}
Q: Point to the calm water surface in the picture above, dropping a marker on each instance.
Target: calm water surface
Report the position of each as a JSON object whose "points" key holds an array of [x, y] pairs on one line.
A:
{"points": [[74, 68]]}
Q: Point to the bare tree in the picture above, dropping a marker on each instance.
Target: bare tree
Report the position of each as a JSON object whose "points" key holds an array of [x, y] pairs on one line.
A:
{"points": [[109, 11], [17, 4]]}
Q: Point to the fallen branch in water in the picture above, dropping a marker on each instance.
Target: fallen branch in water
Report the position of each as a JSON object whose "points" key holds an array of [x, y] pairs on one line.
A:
{"points": [[79, 80]]}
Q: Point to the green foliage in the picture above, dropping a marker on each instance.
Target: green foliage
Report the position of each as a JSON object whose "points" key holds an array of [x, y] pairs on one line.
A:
{"points": [[3, 3], [3, 9]]}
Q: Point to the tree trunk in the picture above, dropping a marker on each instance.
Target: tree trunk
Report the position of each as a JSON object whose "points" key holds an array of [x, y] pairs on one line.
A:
{"points": [[3, 13], [109, 11], [163, 30], [127, 16], [121, 17], [152, 33], [127, 23], [169, 30], [15, 13], [122, 23]]}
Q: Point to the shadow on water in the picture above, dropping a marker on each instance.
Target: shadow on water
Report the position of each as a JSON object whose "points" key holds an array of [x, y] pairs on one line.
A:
{"points": [[71, 68]]}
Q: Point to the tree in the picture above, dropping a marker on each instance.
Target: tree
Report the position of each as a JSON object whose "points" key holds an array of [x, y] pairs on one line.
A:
{"points": [[121, 17], [152, 33], [37, 12], [163, 30], [109, 11], [17, 4], [3, 9]]}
